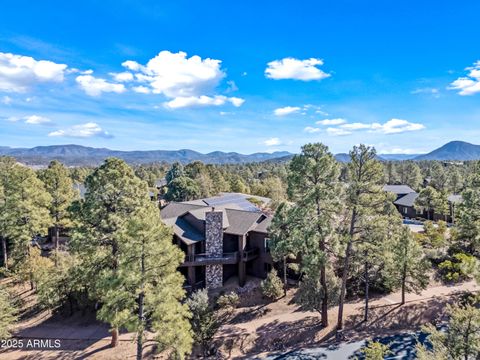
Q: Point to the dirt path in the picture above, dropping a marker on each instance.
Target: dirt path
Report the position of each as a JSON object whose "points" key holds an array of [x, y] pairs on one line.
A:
{"points": [[282, 325], [270, 327]]}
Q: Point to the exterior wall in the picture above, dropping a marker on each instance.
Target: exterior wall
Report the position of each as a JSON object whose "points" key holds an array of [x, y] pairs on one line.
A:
{"points": [[214, 247], [256, 267]]}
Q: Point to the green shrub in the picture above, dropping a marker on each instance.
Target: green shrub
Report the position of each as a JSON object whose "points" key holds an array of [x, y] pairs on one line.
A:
{"points": [[272, 286], [229, 300], [460, 267]]}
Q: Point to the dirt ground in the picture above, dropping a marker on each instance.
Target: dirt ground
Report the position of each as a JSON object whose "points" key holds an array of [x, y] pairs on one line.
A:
{"points": [[256, 327]]}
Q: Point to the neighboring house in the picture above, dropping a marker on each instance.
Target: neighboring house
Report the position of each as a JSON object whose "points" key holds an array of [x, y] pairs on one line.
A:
{"points": [[219, 242], [405, 203]]}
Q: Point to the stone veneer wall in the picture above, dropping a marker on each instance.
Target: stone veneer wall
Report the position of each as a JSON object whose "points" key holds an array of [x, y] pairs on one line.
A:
{"points": [[214, 247]]}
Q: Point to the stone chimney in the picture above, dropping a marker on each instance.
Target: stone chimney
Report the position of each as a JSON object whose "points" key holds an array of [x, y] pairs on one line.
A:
{"points": [[214, 247]]}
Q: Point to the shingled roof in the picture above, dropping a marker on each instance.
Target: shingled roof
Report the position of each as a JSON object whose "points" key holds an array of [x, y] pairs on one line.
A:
{"points": [[235, 222]]}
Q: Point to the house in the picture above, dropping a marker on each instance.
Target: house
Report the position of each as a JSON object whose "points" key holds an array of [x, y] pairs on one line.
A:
{"points": [[219, 242], [405, 203]]}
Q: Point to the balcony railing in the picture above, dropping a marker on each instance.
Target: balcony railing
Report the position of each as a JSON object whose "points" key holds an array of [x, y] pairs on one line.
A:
{"points": [[198, 285], [200, 259], [250, 254]]}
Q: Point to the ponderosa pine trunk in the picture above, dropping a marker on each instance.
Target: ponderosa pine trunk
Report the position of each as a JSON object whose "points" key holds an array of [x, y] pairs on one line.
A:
{"points": [[57, 231], [4, 253], [367, 288], [323, 278], [285, 276], [346, 265], [141, 305], [114, 333], [404, 280]]}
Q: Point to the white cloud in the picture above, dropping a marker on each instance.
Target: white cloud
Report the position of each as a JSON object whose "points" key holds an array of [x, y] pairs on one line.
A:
{"points": [[396, 126], [331, 122], [122, 76], [290, 68], [7, 100], [312, 130], [82, 131], [393, 126], [286, 110], [174, 75], [272, 142], [141, 89], [398, 150], [360, 126], [338, 131], [96, 86], [203, 100], [429, 91], [470, 84], [37, 120], [19, 73]]}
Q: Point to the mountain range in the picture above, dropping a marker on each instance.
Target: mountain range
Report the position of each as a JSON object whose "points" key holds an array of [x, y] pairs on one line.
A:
{"points": [[77, 155]]}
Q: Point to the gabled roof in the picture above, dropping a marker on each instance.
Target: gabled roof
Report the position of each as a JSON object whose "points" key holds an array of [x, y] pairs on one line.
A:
{"points": [[407, 200], [186, 232], [398, 189], [235, 222]]}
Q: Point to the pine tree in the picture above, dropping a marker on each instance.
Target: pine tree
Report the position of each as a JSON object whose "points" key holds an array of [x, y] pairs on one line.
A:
{"points": [[148, 263], [468, 216], [314, 186], [120, 239], [113, 195], [60, 187], [427, 200], [7, 314], [283, 235], [460, 339], [409, 267], [365, 201], [24, 206]]}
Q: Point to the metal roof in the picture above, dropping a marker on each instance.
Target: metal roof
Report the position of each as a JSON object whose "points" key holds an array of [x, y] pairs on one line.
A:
{"points": [[398, 189]]}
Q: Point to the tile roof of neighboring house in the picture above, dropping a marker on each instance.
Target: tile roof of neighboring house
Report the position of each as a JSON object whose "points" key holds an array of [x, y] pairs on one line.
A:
{"points": [[398, 189], [407, 200]]}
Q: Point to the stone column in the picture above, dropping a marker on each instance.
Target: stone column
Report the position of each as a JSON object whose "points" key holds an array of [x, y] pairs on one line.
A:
{"points": [[242, 243], [214, 248]]}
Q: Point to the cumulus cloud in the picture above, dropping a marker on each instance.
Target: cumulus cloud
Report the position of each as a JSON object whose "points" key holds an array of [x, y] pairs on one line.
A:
{"points": [[87, 130], [96, 86], [19, 73], [338, 131], [122, 76], [342, 127], [203, 100], [186, 81], [393, 126], [286, 110], [312, 130], [272, 142], [37, 120], [331, 122], [175, 75], [470, 84], [291, 68]]}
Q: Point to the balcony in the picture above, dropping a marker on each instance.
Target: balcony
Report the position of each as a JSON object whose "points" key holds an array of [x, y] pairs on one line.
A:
{"points": [[208, 259], [197, 286], [250, 254]]}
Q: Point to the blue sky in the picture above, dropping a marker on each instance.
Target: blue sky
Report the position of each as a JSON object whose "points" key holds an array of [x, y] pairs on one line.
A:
{"points": [[240, 76]]}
